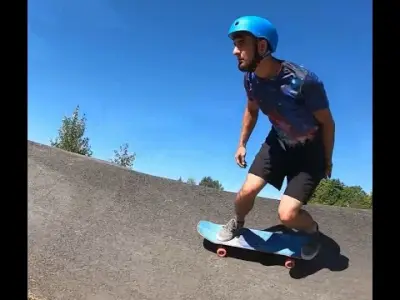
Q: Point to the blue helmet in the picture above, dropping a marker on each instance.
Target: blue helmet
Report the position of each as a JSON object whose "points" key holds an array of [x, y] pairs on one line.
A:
{"points": [[257, 26]]}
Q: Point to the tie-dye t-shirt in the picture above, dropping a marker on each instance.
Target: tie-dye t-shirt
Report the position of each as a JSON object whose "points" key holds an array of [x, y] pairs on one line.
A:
{"points": [[289, 101]]}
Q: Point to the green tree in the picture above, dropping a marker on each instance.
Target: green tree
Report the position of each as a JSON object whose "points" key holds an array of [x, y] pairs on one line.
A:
{"points": [[328, 192], [354, 196], [191, 181], [123, 157], [180, 179], [209, 182], [71, 135], [335, 192]]}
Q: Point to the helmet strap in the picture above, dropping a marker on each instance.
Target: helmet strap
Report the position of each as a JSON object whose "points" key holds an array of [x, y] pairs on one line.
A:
{"points": [[257, 58]]}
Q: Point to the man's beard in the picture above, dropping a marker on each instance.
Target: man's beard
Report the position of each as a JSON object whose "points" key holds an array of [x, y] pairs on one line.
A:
{"points": [[247, 67]]}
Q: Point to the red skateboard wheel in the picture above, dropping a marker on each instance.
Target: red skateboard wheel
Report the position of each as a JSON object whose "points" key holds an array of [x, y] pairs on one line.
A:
{"points": [[221, 252], [289, 263]]}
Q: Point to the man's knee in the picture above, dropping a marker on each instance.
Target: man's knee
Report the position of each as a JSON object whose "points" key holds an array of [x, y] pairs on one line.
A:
{"points": [[288, 209], [251, 187]]}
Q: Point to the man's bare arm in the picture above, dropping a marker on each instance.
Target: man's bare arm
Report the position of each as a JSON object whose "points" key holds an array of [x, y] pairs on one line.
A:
{"points": [[249, 121], [325, 118], [317, 102]]}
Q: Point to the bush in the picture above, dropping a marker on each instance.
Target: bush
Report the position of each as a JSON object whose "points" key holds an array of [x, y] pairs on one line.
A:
{"points": [[334, 192], [209, 182]]}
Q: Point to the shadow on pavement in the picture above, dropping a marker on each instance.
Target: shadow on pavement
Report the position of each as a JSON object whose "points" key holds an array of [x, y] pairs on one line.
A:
{"points": [[329, 256]]}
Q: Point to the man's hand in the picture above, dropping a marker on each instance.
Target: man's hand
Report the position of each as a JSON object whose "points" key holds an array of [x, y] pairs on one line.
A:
{"points": [[240, 157], [328, 169], [249, 121]]}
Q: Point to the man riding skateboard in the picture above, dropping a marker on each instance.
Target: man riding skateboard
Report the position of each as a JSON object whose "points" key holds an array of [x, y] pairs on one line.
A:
{"points": [[300, 143]]}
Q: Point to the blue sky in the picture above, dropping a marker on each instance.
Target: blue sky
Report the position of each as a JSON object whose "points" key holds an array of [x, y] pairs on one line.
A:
{"points": [[160, 75]]}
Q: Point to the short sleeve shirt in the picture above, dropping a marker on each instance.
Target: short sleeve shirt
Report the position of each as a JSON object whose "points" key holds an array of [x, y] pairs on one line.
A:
{"points": [[289, 100]]}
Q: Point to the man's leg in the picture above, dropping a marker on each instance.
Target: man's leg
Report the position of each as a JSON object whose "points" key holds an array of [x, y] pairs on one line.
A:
{"points": [[244, 201], [292, 215], [260, 173], [299, 189]]}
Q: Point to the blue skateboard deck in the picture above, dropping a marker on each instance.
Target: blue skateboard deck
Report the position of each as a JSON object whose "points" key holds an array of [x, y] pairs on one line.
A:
{"points": [[280, 243]]}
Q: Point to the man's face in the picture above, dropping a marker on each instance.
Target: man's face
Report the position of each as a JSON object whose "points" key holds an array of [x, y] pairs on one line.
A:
{"points": [[244, 51]]}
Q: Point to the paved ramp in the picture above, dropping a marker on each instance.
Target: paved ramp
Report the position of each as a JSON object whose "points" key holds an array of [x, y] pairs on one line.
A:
{"points": [[98, 231]]}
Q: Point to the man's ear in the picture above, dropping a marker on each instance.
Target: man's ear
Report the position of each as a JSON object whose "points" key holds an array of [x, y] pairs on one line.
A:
{"points": [[262, 46]]}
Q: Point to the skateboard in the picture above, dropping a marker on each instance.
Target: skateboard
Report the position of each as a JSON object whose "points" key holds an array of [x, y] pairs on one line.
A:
{"points": [[281, 243]]}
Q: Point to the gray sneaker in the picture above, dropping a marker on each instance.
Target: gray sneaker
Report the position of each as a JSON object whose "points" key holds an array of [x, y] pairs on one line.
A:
{"points": [[229, 230], [311, 249]]}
